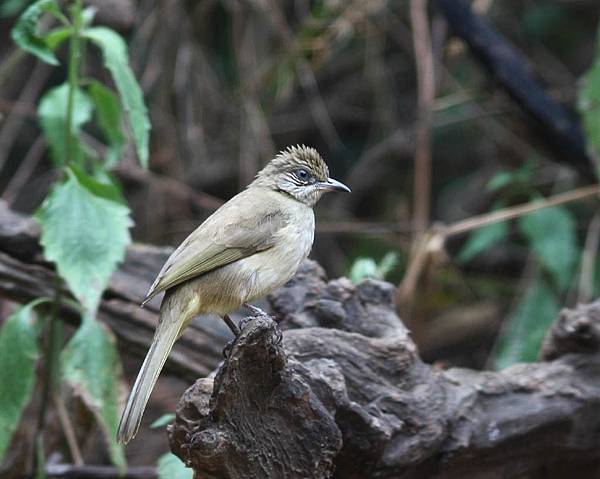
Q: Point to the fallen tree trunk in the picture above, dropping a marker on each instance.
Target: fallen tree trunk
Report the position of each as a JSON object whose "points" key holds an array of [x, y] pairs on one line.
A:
{"points": [[24, 276], [347, 396]]}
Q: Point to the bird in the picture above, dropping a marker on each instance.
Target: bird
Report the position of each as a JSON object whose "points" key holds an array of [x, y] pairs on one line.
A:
{"points": [[247, 248]]}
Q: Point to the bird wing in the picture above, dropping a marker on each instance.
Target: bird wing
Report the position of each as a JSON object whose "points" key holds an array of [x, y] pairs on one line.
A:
{"points": [[219, 241]]}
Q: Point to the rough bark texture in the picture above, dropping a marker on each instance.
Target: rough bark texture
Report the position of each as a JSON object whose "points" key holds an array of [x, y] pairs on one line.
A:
{"points": [[347, 396], [344, 392]]}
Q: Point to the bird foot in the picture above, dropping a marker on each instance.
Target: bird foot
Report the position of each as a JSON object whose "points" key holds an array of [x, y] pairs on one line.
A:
{"points": [[227, 349], [255, 310]]}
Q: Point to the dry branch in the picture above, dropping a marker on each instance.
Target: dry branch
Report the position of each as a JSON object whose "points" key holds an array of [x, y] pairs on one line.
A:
{"points": [[347, 396]]}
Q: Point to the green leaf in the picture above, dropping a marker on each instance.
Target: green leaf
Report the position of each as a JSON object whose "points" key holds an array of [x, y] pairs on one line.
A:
{"points": [[526, 329], [551, 236], [52, 111], [482, 239], [102, 184], [55, 37], [25, 33], [171, 467], [87, 16], [162, 421], [116, 60], [18, 355], [387, 263], [91, 366], [589, 105], [12, 7], [363, 268], [86, 235], [110, 120], [522, 175]]}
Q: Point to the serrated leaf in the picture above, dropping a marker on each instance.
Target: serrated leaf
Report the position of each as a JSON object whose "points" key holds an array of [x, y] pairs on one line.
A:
{"points": [[551, 235], [25, 33], [110, 120], [162, 421], [482, 239], [527, 327], [589, 104], [85, 235], [114, 52], [19, 352], [52, 111], [91, 366], [171, 467]]}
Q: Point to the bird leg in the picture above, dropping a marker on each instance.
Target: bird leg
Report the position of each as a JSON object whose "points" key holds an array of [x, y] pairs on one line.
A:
{"points": [[231, 325], [255, 310]]}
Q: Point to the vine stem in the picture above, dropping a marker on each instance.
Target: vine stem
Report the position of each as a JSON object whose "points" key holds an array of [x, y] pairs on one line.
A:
{"points": [[73, 74], [51, 376]]}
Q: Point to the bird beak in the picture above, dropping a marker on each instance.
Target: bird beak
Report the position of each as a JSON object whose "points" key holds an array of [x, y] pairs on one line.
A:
{"points": [[334, 185]]}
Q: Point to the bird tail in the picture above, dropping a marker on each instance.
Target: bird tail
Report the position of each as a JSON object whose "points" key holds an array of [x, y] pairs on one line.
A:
{"points": [[169, 327]]}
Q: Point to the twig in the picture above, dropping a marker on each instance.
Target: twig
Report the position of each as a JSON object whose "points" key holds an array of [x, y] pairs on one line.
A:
{"points": [[432, 242], [306, 77], [9, 63], [25, 170], [171, 186], [364, 227], [70, 471], [588, 260], [15, 119], [67, 427], [426, 98], [474, 222]]}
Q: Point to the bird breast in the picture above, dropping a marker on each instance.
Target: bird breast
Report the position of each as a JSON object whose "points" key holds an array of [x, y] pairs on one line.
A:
{"points": [[225, 289], [275, 266]]}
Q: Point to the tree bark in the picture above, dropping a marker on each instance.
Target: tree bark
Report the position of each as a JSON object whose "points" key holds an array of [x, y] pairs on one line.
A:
{"points": [[347, 396], [342, 392]]}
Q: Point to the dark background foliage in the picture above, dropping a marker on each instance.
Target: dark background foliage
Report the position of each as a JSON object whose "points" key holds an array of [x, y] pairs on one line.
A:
{"points": [[229, 83]]}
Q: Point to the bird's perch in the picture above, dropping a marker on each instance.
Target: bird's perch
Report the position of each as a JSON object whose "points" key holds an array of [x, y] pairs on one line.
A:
{"points": [[345, 391], [348, 396]]}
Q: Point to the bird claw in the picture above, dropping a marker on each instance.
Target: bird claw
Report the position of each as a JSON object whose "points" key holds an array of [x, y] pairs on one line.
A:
{"points": [[245, 321], [227, 349], [255, 310]]}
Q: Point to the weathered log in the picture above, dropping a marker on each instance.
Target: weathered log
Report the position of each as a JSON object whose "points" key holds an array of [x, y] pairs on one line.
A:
{"points": [[25, 276], [347, 396]]}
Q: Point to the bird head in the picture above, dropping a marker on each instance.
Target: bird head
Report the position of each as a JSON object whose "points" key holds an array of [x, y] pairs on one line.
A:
{"points": [[300, 172]]}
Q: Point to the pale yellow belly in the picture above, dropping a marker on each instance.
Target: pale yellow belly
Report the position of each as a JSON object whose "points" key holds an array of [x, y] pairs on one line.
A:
{"points": [[226, 289]]}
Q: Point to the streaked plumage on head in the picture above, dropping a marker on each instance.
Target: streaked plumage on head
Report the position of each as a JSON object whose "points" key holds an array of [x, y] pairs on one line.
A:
{"points": [[286, 173]]}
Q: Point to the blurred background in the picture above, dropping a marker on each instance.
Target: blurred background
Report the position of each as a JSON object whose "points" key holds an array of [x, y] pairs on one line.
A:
{"points": [[407, 104]]}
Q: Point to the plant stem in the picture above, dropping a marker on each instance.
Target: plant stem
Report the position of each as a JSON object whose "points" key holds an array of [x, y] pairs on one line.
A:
{"points": [[51, 377], [73, 73]]}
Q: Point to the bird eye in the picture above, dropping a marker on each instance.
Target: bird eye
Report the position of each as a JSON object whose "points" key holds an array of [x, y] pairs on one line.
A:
{"points": [[302, 174]]}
